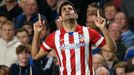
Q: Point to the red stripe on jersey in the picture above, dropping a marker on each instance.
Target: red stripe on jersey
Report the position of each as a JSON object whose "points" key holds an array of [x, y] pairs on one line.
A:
{"points": [[63, 55], [72, 56], [82, 57]]}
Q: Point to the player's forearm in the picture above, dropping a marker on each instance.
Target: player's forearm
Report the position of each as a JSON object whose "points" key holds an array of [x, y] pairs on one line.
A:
{"points": [[109, 42], [35, 44]]}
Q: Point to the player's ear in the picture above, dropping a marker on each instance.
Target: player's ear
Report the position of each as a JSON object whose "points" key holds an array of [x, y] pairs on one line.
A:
{"points": [[60, 18], [76, 15]]}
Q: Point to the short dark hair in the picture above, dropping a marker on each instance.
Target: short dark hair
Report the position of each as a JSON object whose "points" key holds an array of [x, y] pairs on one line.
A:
{"points": [[21, 30], [109, 4], [22, 48], [66, 3]]}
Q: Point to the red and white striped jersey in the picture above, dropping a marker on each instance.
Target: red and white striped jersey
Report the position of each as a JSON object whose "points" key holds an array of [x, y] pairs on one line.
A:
{"points": [[73, 49]]}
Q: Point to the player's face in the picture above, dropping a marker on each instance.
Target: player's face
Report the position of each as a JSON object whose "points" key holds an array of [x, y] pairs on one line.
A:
{"points": [[67, 13]]}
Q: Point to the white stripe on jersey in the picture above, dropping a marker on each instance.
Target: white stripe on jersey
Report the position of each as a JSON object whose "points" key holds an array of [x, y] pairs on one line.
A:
{"points": [[99, 41], [67, 54], [49, 48], [57, 43], [86, 35]]}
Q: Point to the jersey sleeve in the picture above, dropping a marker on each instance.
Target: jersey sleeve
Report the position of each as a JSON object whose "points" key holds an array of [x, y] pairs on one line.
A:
{"points": [[48, 44], [96, 39]]}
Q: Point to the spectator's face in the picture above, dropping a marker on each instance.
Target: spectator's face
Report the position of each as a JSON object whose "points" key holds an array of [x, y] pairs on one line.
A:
{"points": [[23, 37], [91, 10], [23, 57], [115, 31], [30, 7], [121, 19], [120, 71], [109, 12], [97, 62], [90, 21], [7, 32], [67, 13], [51, 3], [29, 29], [107, 55]]}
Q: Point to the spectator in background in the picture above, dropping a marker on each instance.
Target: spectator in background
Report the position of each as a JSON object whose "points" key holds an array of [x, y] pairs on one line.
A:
{"points": [[98, 61], [4, 70], [23, 67], [23, 36], [109, 12], [127, 35], [8, 44], [92, 9], [29, 27], [102, 71], [11, 9], [115, 33], [30, 13], [127, 7], [120, 68]]}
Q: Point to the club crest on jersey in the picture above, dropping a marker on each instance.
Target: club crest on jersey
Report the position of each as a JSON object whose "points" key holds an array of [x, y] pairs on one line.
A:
{"points": [[81, 38], [74, 45]]}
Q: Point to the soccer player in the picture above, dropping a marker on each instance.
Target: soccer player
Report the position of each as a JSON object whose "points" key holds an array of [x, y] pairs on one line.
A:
{"points": [[72, 43]]}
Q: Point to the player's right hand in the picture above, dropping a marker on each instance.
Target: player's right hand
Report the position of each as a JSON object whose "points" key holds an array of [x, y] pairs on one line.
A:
{"points": [[39, 25]]}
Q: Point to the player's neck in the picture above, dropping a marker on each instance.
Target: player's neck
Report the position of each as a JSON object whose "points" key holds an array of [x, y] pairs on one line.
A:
{"points": [[69, 25]]}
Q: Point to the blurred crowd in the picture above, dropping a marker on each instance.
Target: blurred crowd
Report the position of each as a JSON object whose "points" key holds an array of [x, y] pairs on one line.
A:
{"points": [[16, 33]]}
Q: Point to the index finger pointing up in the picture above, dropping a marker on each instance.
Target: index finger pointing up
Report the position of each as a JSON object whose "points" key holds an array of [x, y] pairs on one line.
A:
{"points": [[98, 13], [39, 17]]}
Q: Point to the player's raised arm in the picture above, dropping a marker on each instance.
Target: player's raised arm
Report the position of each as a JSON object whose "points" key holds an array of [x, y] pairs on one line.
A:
{"points": [[37, 52], [100, 22]]}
